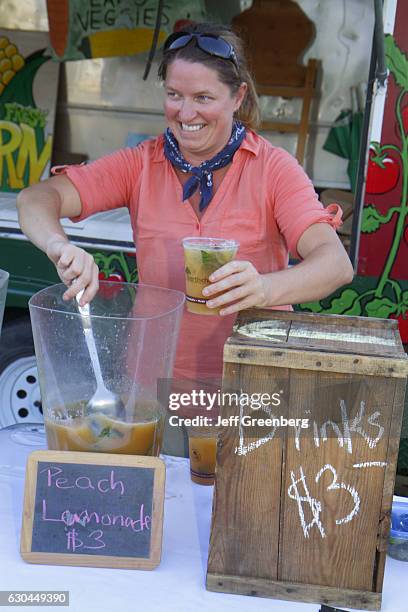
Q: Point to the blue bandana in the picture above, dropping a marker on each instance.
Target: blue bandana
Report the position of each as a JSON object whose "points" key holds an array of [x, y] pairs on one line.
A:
{"points": [[202, 177]]}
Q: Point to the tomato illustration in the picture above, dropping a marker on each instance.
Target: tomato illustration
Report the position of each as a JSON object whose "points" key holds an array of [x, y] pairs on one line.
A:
{"points": [[383, 173], [109, 291]]}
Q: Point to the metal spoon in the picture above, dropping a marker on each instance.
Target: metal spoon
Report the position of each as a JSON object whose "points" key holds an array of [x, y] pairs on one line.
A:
{"points": [[103, 401]]}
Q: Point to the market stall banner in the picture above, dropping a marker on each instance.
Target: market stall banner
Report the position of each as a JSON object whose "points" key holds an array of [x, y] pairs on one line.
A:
{"points": [[28, 94], [83, 29]]}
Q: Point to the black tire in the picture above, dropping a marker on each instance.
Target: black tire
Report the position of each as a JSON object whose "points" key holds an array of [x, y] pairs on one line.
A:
{"points": [[20, 399], [16, 341]]}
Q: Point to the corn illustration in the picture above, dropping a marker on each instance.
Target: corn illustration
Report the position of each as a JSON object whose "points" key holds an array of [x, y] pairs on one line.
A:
{"points": [[11, 61]]}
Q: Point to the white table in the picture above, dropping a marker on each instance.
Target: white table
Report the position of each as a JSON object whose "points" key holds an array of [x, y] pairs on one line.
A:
{"points": [[177, 585]]}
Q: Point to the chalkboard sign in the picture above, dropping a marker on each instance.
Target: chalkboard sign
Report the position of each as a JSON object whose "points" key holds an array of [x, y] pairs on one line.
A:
{"points": [[93, 509]]}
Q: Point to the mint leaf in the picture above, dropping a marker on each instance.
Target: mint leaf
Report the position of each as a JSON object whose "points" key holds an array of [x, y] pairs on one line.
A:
{"points": [[397, 62], [105, 433], [371, 220], [208, 258], [110, 432], [211, 261], [381, 307]]}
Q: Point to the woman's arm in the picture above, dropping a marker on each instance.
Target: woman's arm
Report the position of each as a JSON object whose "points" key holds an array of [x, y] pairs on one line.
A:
{"points": [[325, 268], [40, 208], [104, 184]]}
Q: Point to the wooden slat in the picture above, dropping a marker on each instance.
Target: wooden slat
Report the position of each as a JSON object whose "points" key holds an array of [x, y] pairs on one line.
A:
{"points": [[305, 114], [247, 488], [279, 126], [348, 339], [281, 91], [315, 360], [367, 323], [389, 480], [323, 337], [340, 408], [306, 93], [378, 337], [307, 593]]}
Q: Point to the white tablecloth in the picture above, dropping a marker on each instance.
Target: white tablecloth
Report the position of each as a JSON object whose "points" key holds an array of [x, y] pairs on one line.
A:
{"points": [[176, 585]]}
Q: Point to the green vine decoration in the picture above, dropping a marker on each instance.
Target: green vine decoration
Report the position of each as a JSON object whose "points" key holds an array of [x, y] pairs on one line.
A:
{"points": [[387, 298], [116, 263]]}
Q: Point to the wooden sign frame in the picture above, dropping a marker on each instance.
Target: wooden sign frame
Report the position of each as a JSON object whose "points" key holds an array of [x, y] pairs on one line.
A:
{"points": [[92, 560]]}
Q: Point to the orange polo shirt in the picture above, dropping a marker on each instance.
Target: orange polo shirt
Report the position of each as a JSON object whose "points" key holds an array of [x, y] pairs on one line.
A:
{"points": [[265, 201]]}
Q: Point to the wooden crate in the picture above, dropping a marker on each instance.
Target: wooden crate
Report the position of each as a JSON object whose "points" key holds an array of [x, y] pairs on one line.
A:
{"points": [[304, 514]]}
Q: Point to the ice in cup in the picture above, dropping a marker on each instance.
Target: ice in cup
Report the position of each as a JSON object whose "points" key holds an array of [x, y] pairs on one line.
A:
{"points": [[202, 445], [72, 429], [202, 257]]}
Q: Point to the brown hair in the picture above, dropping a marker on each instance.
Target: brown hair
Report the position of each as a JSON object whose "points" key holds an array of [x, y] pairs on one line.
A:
{"points": [[227, 72]]}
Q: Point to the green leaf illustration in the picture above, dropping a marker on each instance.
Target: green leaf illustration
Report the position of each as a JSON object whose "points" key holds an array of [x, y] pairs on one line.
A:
{"points": [[347, 303], [405, 298], [381, 307], [312, 306], [371, 220], [397, 62]]}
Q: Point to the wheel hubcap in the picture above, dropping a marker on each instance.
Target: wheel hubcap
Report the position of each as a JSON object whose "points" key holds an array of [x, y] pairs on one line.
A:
{"points": [[20, 393]]}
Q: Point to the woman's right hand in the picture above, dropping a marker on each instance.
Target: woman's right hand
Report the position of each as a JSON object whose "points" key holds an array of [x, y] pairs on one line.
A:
{"points": [[75, 267]]}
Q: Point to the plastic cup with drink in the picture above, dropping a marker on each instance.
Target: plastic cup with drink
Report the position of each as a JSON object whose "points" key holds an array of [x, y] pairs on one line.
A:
{"points": [[202, 445], [202, 257]]}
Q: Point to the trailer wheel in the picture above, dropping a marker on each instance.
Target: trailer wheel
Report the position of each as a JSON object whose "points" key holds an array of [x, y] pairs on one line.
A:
{"points": [[20, 399]]}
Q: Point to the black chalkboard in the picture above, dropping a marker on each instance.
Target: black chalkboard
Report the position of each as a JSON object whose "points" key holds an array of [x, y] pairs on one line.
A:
{"points": [[93, 510]]}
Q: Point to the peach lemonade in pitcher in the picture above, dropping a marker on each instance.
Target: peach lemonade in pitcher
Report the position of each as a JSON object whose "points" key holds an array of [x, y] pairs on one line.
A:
{"points": [[74, 430]]}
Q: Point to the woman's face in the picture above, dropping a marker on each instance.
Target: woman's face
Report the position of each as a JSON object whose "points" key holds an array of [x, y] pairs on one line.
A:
{"points": [[199, 109]]}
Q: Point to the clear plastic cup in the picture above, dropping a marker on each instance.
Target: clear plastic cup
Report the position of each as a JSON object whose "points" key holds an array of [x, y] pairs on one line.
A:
{"points": [[202, 256], [135, 328], [202, 446]]}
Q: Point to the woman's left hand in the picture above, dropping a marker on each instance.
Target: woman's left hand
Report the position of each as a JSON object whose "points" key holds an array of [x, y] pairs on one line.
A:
{"points": [[243, 285]]}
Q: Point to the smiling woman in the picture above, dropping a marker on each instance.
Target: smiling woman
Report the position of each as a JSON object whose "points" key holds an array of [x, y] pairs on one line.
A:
{"points": [[200, 119], [209, 175]]}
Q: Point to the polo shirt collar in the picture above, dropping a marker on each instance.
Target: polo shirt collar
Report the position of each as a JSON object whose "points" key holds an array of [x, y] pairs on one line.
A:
{"points": [[250, 143]]}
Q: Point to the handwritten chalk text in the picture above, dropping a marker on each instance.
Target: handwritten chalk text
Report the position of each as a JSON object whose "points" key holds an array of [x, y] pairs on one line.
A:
{"points": [[103, 485]]}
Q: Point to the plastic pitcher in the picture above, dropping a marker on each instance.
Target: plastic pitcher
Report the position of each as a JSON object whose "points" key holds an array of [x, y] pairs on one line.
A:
{"points": [[4, 276], [135, 328]]}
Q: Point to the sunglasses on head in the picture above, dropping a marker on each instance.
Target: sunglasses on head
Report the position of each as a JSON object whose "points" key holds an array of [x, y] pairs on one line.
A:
{"points": [[209, 43]]}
